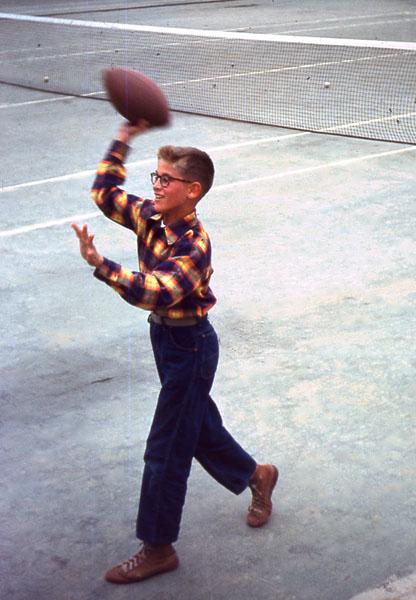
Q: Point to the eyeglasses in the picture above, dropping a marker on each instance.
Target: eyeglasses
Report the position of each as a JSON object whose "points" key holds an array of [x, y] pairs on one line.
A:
{"points": [[165, 179]]}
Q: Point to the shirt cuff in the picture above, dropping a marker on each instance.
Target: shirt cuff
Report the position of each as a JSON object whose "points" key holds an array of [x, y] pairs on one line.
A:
{"points": [[119, 149], [108, 271]]}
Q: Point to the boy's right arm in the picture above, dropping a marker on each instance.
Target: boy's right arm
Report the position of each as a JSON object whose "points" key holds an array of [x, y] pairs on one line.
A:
{"points": [[114, 202]]}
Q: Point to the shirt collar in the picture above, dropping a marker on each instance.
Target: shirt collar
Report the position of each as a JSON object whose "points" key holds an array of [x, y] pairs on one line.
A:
{"points": [[174, 231]]}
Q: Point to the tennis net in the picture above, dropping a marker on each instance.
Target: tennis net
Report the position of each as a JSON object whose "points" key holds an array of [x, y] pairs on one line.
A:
{"points": [[347, 87]]}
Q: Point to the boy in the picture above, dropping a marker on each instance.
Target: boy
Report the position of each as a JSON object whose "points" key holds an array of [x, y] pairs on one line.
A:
{"points": [[173, 284]]}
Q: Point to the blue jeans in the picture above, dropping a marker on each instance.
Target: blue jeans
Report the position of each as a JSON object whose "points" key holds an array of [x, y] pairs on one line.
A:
{"points": [[186, 424]]}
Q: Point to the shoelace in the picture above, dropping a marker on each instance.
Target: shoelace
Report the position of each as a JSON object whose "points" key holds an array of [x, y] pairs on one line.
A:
{"points": [[258, 502], [133, 562]]}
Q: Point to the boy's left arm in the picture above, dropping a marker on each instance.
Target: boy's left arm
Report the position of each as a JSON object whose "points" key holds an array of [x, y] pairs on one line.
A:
{"points": [[173, 280]]}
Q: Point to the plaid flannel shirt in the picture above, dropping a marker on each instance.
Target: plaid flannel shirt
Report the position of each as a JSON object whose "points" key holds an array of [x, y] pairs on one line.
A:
{"points": [[174, 261]]}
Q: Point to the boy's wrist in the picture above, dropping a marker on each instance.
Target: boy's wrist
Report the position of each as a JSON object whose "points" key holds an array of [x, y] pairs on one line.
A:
{"points": [[98, 261], [123, 134]]}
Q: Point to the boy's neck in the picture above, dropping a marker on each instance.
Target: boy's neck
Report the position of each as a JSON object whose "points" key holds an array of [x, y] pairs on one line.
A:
{"points": [[169, 219]]}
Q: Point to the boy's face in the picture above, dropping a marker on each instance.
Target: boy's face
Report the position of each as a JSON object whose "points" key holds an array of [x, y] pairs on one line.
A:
{"points": [[178, 197]]}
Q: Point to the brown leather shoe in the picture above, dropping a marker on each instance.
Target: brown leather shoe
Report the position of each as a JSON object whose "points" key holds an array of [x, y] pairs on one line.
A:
{"points": [[262, 484], [150, 560]]}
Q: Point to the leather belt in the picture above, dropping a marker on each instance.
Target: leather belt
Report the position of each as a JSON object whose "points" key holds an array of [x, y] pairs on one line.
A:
{"points": [[185, 322]]}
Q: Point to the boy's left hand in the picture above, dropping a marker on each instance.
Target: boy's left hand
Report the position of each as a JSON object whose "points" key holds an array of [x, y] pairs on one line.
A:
{"points": [[87, 249]]}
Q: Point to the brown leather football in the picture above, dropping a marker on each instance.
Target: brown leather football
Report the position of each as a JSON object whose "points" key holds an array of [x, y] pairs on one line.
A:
{"points": [[136, 96]]}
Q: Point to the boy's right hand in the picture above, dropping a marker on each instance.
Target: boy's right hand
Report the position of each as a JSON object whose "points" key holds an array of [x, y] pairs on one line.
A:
{"points": [[127, 130]]}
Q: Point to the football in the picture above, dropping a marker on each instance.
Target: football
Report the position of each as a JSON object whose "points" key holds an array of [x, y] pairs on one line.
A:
{"points": [[135, 96]]}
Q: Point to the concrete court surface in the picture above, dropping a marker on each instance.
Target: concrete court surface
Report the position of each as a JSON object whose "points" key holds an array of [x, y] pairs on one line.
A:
{"points": [[314, 257]]}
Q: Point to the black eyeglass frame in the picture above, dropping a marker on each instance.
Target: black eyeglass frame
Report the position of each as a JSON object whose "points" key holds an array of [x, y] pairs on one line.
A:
{"points": [[165, 179]]}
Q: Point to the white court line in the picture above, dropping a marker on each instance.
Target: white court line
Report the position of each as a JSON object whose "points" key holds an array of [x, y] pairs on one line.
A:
{"points": [[368, 122], [36, 49], [55, 99], [337, 163], [30, 59], [47, 224], [149, 161], [59, 178], [206, 33], [31, 49], [116, 49], [144, 162], [15, 104], [345, 26], [329, 20], [284, 69], [221, 188], [228, 76], [68, 177], [268, 140]]}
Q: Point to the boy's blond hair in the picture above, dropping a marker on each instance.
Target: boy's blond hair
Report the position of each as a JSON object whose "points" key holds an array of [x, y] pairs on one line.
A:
{"points": [[191, 163]]}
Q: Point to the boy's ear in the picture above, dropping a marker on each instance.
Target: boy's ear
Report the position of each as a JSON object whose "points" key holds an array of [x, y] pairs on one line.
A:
{"points": [[194, 190]]}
